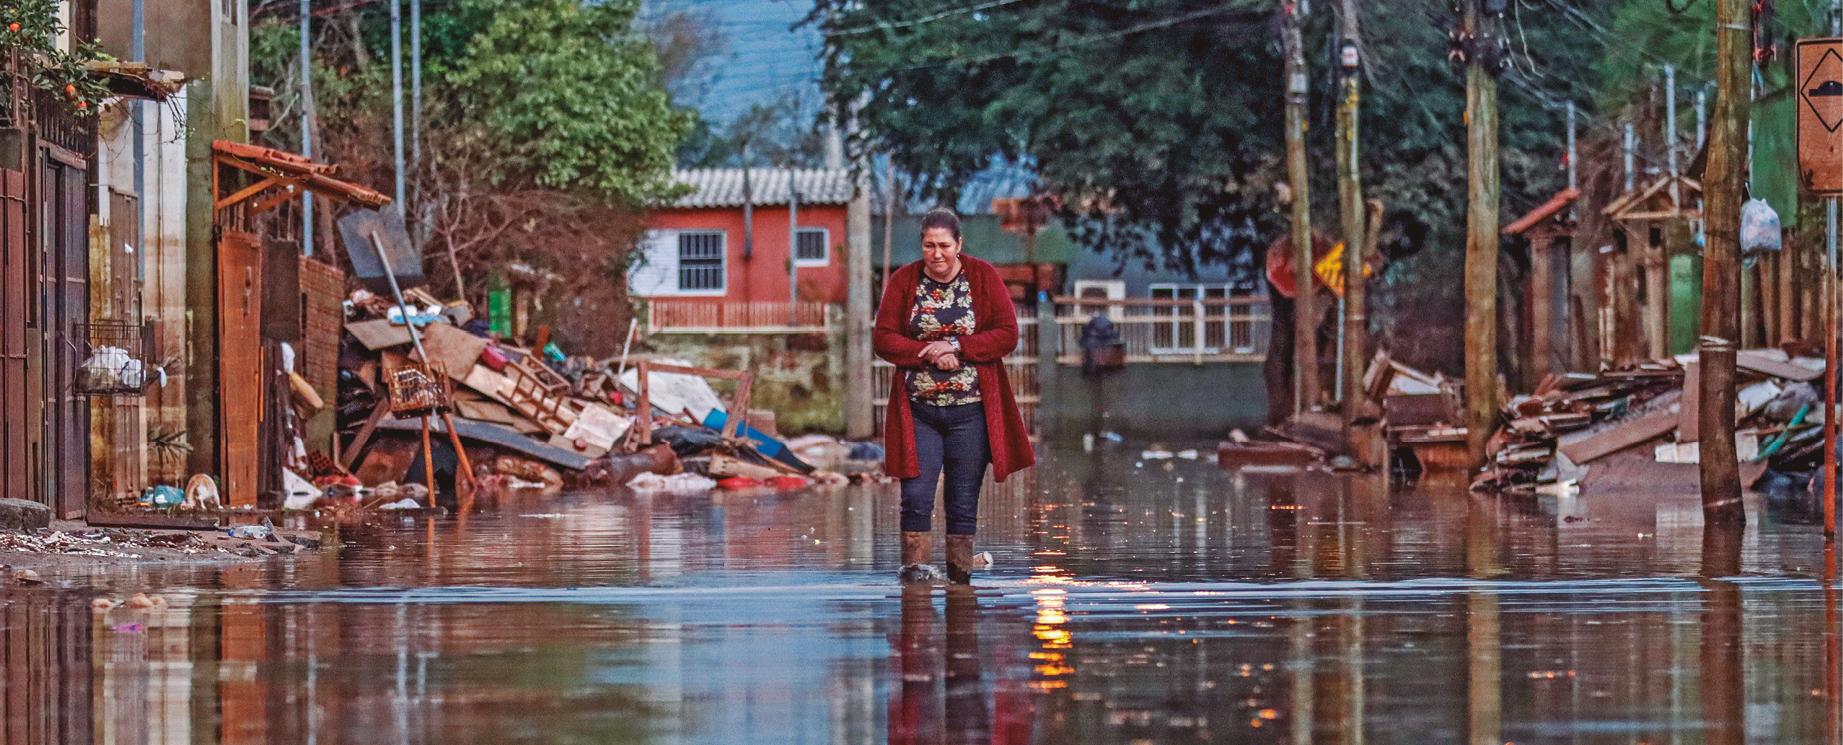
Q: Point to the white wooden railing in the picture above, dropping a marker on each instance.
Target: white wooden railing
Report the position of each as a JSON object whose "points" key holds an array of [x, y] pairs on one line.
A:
{"points": [[717, 316], [1224, 329]]}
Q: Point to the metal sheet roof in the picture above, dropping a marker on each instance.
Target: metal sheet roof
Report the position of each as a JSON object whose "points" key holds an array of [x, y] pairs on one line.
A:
{"points": [[722, 187]]}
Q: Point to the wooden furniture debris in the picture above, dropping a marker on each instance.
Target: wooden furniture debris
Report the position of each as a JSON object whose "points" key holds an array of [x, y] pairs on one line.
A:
{"points": [[540, 393], [643, 424], [723, 467]]}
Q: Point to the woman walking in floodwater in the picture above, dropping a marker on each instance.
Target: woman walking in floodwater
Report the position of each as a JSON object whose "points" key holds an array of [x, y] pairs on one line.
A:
{"points": [[946, 322]]}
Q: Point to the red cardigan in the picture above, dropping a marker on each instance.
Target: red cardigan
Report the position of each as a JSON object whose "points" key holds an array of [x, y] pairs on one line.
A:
{"points": [[984, 349]]}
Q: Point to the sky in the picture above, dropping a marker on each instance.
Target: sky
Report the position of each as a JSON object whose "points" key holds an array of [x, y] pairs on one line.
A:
{"points": [[763, 58]]}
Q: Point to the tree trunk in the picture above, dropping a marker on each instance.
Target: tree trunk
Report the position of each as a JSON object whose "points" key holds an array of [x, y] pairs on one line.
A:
{"points": [[1721, 268]]}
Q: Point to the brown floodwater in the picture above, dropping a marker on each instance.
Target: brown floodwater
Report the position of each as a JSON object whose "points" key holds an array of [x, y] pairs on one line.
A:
{"points": [[1131, 601]]}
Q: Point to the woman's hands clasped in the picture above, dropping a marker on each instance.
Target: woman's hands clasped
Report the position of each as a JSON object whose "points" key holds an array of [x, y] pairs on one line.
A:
{"points": [[941, 354]]}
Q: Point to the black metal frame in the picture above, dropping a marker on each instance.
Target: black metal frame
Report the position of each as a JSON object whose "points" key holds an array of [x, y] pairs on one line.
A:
{"points": [[134, 338]]}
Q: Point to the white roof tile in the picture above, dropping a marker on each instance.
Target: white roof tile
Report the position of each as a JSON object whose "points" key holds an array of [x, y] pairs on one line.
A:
{"points": [[722, 187]]}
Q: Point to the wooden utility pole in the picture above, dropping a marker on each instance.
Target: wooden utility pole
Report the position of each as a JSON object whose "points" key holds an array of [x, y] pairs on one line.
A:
{"points": [[1480, 234], [1305, 306], [1350, 207], [1721, 266]]}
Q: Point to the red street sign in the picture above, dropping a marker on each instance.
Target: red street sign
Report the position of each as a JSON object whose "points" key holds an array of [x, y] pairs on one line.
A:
{"points": [[1820, 115]]}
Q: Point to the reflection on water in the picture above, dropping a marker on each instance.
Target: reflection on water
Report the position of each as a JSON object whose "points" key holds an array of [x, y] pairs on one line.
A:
{"points": [[1132, 602]]}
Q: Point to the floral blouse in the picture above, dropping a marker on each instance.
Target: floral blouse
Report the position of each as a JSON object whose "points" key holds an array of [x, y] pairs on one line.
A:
{"points": [[943, 310]]}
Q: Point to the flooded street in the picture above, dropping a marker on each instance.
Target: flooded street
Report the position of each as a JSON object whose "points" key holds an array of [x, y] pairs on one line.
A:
{"points": [[1131, 602]]}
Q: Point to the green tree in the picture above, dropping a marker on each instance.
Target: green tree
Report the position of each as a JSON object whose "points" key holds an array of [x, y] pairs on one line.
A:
{"points": [[1159, 122], [568, 95]]}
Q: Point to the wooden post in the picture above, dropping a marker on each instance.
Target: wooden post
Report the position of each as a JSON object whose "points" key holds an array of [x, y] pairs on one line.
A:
{"points": [[1541, 306], [1622, 294], [1480, 242], [1305, 306], [1657, 296], [1788, 321], [1721, 266], [1829, 285], [428, 462], [1350, 207]]}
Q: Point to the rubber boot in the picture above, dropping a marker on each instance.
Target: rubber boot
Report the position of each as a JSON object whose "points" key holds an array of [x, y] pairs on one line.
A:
{"points": [[917, 547], [960, 559]]}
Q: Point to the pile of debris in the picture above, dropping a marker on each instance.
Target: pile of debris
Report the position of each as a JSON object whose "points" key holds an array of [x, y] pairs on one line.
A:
{"points": [[1403, 410], [533, 418], [1573, 420], [136, 544]]}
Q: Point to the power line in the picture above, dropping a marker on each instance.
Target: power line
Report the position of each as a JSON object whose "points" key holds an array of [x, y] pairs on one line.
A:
{"points": [[893, 25]]}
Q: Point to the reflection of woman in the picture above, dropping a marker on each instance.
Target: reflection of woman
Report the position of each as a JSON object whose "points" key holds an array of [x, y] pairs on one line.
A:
{"points": [[921, 713], [946, 322]]}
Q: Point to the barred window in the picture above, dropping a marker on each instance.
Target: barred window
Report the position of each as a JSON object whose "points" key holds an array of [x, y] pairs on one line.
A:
{"points": [[700, 261], [812, 246]]}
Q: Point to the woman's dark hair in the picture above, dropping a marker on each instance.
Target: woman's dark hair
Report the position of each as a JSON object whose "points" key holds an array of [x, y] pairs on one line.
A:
{"points": [[941, 218]]}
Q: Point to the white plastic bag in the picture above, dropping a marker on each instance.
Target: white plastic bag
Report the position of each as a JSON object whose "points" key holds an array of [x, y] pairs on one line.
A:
{"points": [[1759, 227]]}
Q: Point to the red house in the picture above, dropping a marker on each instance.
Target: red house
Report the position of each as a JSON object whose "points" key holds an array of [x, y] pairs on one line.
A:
{"points": [[710, 263]]}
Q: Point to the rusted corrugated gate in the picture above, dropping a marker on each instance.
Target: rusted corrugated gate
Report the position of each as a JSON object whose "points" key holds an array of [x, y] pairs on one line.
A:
{"points": [[64, 294]]}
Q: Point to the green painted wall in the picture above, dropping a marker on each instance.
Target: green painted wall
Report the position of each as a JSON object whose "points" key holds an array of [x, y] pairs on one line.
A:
{"points": [[1685, 302], [1172, 401], [983, 239]]}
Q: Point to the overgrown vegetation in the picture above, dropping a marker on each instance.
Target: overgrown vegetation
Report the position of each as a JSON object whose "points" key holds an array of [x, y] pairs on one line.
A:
{"points": [[546, 134], [33, 26]]}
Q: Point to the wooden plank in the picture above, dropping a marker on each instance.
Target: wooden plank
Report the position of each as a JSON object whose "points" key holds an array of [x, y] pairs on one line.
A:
{"points": [[495, 434], [379, 334], [1689, 427], [239, 345], [723, 466], [454, 348], [1624, 435], [1760, 363], [148, 520], [485, 411], [389, 459], [364, 433]]}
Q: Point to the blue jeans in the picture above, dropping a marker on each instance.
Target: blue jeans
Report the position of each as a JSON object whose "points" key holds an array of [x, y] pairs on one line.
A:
{"points": [[950, 438]]}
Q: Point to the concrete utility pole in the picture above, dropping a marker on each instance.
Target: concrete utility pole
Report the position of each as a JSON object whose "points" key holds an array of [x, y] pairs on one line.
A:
{"points": [[420, 234], [1481, 241], [1573, 154], [748, 207], [1721, 266], [307, 122], [1670, 133], [1702, 119], [889, 214], [1631, 156], [793, 248], [396, 97], [1305, 306], [859, 420], [1350, 207]]}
